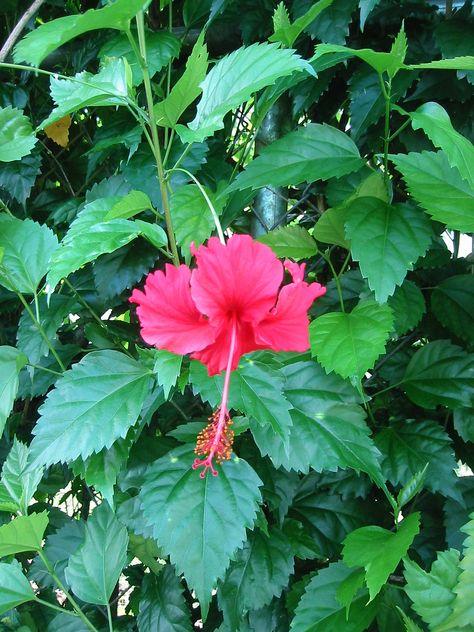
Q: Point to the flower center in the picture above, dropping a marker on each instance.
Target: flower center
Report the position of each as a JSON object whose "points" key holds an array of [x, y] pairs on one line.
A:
{"points": [[215, 440]]}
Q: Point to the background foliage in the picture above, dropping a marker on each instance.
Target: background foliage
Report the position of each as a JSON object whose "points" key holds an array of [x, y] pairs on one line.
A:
{"points": [[338, 133]]}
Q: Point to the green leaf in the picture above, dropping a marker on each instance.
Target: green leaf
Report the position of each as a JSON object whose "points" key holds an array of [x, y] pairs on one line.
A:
{"points": [[162, 605], [330, 227], [152, 232], [349, 344], [89, 236], [408, 306], [328, 429], [398, 236], [314, 152], [24, 533], [128, 206], [290, 241], [410, 625], [333, 24], [432, 593], [453, 305], [413, 487], [286, 32], [94, 569], [48, 37], [161, 48], [186, 89], [100, 470], [20, 483], [28, 247], [366, 7], [108, 87], [29, 340], [463, 424], [167, 368], [18, 178], [93, 404], [192, 217], [433, 119], [409, 445], [199, 523], [438, 188], [234, 79], [16, 135], [440, 373], [379, 551], [255, 389], [465, 62], [259, 572], [16, 588], [11, 363], [380, 62], [320, 611], [58, 548], [463, 606]]}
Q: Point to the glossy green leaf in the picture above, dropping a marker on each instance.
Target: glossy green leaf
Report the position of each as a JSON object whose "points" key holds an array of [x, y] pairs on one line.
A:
{"points": [[412, 487], [192, 217], [408, 306], [259, 571], [234, 79], [349, 344], [52, 313], [24, 533], [287, 32], [320, 611], [11, 363], [463, 605], [410, 625], [433, 119], [379, 551], [465, 62], [128, 206], [186, 89], [162, 604], [440, 373], [366, 7], [438, 188], [453, 305], [20, 483], [255, 389], [398, 236], [48, 37], [167, 368], [380, 62], [330, 227], [16, 588], [89, 236], [199, 523], [93, 404], [28, 247], [108, 87], [409, 445], [314, 152], [432, 593], [94, 569], [16, 135], [161, 48], [58, 548], [290, 241]]}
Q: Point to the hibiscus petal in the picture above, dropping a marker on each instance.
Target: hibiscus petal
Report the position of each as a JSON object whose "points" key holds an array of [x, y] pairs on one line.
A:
{"points": [[168, 315], [286, 327], [216, 355], [241, 277]]}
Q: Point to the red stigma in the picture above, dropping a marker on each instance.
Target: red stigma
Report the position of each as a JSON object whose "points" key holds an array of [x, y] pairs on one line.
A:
{"points": [[214, 441]]}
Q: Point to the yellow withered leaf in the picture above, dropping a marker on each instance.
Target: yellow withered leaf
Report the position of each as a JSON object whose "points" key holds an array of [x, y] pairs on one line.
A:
{"points": [[59, 131]]}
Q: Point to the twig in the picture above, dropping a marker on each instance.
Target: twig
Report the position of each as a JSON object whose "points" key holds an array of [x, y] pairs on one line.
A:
{"points": [[15, 34]]}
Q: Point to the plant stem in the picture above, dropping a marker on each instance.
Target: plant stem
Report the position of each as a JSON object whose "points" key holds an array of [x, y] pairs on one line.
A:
{"points": [[53, 607], [209, 203], [43, 368], [109, 618], [154, 135], [387, 94], [69, 597], [327, 258]]}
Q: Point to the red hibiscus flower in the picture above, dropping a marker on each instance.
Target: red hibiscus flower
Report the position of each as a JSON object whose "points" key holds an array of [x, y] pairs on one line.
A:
{"points": [[230, 304]]}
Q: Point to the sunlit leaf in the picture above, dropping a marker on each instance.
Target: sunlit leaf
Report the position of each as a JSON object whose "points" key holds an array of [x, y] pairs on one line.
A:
{"points": [[24, 533], [16, 588], [16, 135]]}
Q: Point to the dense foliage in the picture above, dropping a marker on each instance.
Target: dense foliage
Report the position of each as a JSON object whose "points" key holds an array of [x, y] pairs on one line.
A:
{"points": [[338, 133]]}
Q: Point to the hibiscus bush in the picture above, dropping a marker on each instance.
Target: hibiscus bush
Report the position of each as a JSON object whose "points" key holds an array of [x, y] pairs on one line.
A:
{"points": [[237, 300]]}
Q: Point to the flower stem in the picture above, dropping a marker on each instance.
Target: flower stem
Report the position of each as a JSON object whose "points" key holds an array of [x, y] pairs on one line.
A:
{"points": [[109, 618], [141, 54]]}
